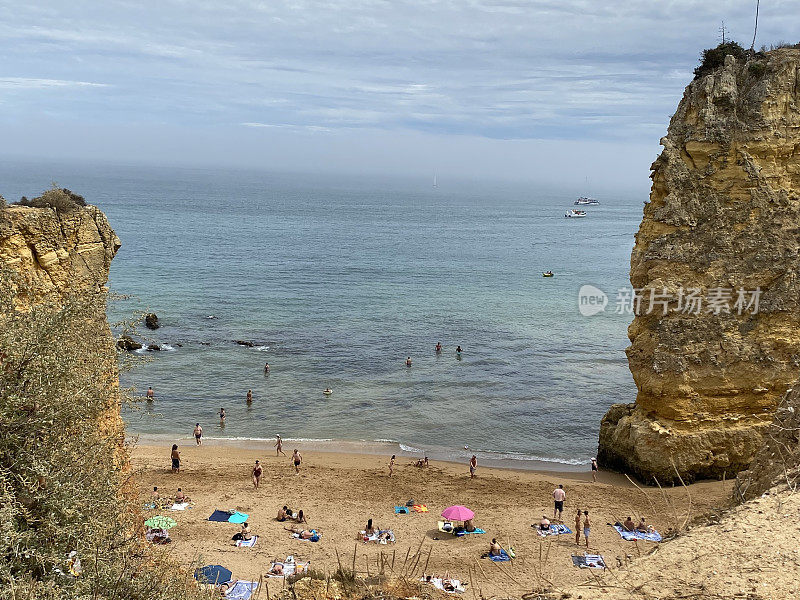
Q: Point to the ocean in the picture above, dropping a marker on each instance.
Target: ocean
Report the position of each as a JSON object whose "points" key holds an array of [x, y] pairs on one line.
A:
{"points": [[335, 280]]}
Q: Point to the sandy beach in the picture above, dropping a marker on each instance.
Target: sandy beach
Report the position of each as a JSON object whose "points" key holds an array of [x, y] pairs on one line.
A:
{"points": [[339, 492]]}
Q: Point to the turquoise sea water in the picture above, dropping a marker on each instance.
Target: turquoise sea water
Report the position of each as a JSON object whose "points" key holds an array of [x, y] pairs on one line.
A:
{"points": [[337, 280]]}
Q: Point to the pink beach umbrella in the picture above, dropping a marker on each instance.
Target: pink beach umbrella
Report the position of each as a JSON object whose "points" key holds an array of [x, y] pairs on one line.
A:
{"points": [[458, 513]]}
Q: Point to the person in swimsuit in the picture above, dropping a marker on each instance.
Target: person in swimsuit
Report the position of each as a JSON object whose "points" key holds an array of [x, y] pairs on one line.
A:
{"points": [[296, 459], [176, 459], [544, 524], [408, 361], [249, 396], [369, 530], [438, 347], [578, 528], [304, 534], [458, 349], [150, 394], [245, 534], [301, 518], [391, 465], [473, 464], [495, 549], [628, 524], [642, 526], [594, 470], [221, 415], [155, 496], [558, 497], [180, 497], [587, 527], [283, 514], [279, 446], [257, 471], [277, 569], [266, 368], [198, 434]]}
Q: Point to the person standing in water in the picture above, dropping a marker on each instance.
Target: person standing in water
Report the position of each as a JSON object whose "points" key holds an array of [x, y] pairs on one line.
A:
{"points": [[198, 434], [458, 349], [249, 396], [150, 394], [594, 470], [438, 347], [473, 464], [408, 361], [266, 368], [176, 459], [221, 416], [279, 446], [391, 465], [257, 471]]}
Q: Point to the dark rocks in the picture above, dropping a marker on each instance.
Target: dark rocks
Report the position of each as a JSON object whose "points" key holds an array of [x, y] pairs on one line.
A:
{"points": [[127, 343], [154, 348], [151, 321], [245, 343]]}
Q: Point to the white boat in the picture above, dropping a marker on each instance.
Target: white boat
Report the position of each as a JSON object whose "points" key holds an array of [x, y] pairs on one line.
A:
{"points": [[586, 201], [574, 213]]}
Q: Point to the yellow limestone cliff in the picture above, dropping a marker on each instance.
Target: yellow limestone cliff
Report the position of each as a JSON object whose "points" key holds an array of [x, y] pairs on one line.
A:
{"points": [[722, 225]]}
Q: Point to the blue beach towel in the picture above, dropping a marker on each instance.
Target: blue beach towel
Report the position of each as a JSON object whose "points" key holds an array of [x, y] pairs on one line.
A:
{"points": [[242, 590], [502, 557], [629, 536], [238, 518], [220, 516], [465, 532], [401, 510], [313, 538], [555, 529]]}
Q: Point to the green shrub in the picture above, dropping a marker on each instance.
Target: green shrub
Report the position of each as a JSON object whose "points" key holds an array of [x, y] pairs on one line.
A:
{"points": [[64, 474], [61, 199], [713, 58], [756, 69]]}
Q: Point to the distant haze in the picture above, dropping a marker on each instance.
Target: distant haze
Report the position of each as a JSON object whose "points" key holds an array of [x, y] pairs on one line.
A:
{"points": [[503, 89]]}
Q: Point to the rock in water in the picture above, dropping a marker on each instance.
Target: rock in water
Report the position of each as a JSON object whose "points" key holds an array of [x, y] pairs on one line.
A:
{"points": [[127, 343], [151, 321], [153, 348], [722, 220], [245, 343]]}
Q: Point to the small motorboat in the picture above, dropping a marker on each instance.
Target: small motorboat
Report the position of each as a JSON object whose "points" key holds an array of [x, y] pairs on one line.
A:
{"points": [[547, 274], [575, 213], [328, 391], [585, 201]]}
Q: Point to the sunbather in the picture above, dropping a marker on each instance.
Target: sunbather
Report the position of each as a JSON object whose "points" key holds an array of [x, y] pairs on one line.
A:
{"points": [[300, 518], [628, 524], [304, 534], [494, 548], [276, 569], [370, 530], [245, 534], [642, 526], [469, 526], [180, 497], [282, 514], [544, 524]]}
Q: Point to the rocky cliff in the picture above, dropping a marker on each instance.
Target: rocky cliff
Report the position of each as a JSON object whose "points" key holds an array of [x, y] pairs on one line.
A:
{"points": [[715, 340], [57, 252]]}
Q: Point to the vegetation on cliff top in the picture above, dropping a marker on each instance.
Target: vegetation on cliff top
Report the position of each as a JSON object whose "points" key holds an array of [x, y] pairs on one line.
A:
{"points": [[61, 199], [63, 466]]}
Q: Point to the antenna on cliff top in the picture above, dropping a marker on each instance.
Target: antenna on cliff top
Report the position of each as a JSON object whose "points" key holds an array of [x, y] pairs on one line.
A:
{"points": [[723, 31], [755, 29]]}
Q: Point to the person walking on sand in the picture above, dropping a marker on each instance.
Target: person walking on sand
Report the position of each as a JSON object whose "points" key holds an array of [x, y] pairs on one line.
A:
{"points": [[473, 464], [257, 471], [279, 446], [587, 527], [150, 394], [176, 459], [198, 434], [594, 470], [558, 500], [296, 459], [391, 465], [578, 528], [249, 396]]}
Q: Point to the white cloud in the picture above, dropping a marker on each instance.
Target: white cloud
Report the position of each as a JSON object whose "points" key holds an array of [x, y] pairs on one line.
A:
{"points": [[30, 83]]}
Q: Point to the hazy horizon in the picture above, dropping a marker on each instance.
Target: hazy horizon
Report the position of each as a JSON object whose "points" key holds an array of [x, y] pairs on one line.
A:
{"points": [[502, 89]]}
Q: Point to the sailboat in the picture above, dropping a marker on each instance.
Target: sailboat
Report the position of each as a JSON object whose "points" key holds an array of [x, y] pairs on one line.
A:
{"points": [[436, 185]]}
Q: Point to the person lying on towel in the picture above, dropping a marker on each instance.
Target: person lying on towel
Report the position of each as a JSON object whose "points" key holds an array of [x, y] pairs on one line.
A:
{"points": [[304, 534], [544, 524]]}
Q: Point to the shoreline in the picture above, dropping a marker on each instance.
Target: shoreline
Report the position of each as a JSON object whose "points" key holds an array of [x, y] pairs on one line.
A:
{"points": [[497, 460]]}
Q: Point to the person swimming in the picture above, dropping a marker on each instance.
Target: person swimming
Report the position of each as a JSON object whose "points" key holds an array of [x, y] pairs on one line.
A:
{"points": [[327, 391]]}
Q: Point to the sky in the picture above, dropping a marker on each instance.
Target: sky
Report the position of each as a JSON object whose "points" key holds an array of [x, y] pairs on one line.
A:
{"points": [[503, 89]]}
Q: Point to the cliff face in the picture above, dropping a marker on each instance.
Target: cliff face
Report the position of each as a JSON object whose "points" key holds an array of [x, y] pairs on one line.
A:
{"points": [[722, 224], [57, 252]]}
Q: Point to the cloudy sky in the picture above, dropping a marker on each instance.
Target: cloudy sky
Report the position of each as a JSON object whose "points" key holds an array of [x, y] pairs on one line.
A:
{"points": [[504, 88]]}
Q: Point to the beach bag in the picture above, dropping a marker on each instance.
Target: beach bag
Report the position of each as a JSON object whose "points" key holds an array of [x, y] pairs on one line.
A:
{"points": [[410, 503]]}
